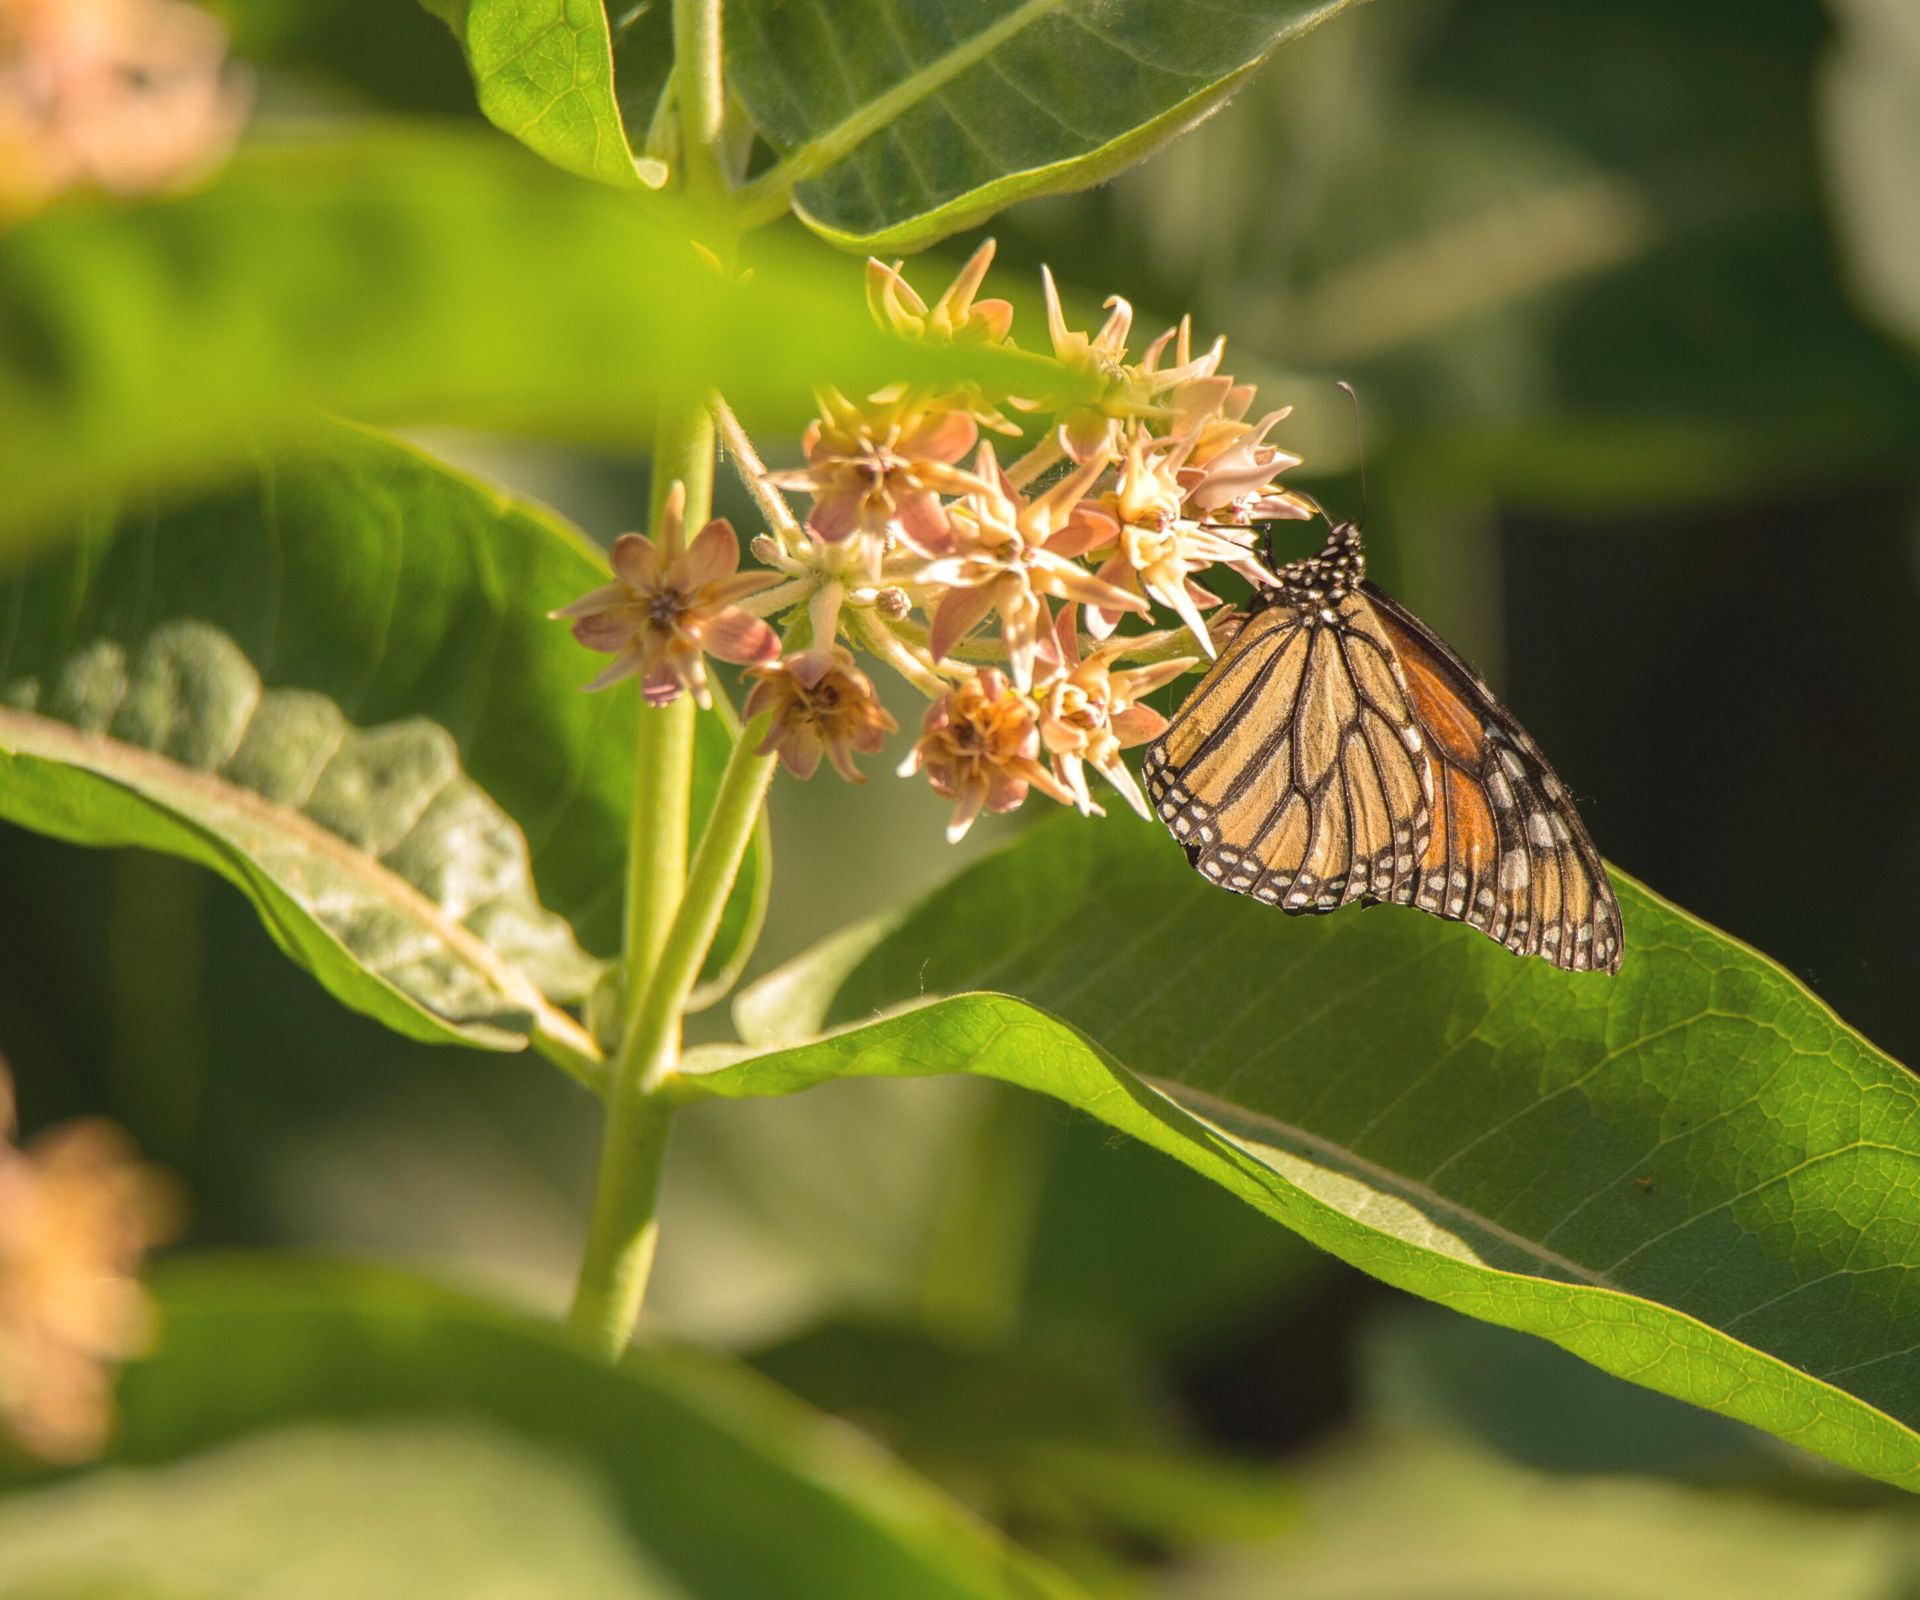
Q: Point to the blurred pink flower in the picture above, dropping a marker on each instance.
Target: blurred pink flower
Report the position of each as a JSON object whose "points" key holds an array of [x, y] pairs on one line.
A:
{"points": [[129, 95], [78, 1212]]}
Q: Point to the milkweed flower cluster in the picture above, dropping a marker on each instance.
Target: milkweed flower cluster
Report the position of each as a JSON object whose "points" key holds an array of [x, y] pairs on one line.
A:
{"points": [[130, 96], [988, 550], [78, 1213]]}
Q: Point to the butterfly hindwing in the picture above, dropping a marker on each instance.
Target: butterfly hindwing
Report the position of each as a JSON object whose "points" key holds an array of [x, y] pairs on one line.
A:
{"points": [[1509, 853]]}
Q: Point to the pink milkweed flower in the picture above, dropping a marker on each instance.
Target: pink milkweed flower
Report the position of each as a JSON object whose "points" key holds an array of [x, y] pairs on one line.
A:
{"points": [[670, 606], [1009, 556], [979, 746], [1156, 547], [1090, 711], [879, 467], [133, 96], [78, 1212], [1229, 473], [820, 704]]}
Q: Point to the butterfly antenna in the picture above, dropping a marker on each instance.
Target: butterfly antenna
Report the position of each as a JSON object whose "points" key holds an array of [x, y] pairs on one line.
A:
{"points": [[1359, 445]]}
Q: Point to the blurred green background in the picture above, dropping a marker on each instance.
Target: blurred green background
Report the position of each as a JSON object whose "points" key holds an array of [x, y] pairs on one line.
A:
{"points": [[1643, 439]]}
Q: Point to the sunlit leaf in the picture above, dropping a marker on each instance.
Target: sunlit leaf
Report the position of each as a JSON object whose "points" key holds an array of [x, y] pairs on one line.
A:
{"points": [[273, 1439], [543, 71], [337, 685], [1692, 1175], [903, 123]]}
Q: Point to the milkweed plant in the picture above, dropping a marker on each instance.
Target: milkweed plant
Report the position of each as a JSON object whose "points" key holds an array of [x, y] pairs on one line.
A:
{"points": [[997, 592], [1025, 531]]}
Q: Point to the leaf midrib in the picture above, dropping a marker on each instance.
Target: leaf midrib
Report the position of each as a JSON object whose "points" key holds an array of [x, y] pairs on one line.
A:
{"points": [[28, 733], [819, 153]]}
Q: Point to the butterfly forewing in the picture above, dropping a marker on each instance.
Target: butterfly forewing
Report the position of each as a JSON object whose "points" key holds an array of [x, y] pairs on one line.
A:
{"points": [[1339, 750], [1294, 773]]}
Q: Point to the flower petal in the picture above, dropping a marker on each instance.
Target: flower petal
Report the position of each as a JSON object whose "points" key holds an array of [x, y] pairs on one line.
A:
{"points": [[941, 438], [958, 614], [601, 599], [714, 553], [922, 522], [740, 637], [633, 559], [835, 515], [622, 666]]}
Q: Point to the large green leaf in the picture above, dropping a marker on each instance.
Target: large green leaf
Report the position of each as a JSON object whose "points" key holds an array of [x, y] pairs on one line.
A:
{"points": [[1693, 1175], [683, 1476], [396, 276], [543, 71], [337, 685], [902, 123]]}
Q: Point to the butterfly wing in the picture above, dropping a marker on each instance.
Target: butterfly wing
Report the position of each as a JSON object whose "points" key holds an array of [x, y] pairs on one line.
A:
{"points": [[1507, 852], [1295, 772]]}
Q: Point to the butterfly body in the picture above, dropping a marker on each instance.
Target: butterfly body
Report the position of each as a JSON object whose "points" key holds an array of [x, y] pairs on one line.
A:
{"points": [[1338, 751]]}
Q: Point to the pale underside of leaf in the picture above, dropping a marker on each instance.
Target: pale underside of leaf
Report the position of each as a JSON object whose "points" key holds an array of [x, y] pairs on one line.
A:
{"points": [[374, 833]]}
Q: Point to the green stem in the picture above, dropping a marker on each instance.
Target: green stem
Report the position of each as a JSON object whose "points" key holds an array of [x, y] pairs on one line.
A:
{"points": [[620, 1237], [701, 89], [653, 1046], [620, 1242]]}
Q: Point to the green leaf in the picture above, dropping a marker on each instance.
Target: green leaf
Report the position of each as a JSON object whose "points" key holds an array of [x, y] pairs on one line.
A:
{"points": [[543, 70], [1419, 1519], [1061, 1436], [683, 1474], [336, 684], [1421, 1369], [401, 277], [1692, 1175], [900, 124]]}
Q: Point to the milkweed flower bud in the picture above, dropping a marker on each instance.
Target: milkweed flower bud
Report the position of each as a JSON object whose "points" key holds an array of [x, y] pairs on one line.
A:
{"points": [[78, 1212], [979, 746], [670, 606], [956, 317], [820, 704]]}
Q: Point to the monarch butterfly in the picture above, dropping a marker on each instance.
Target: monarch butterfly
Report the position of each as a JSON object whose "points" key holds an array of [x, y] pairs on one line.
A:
{"points": [[1339, 751]]}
